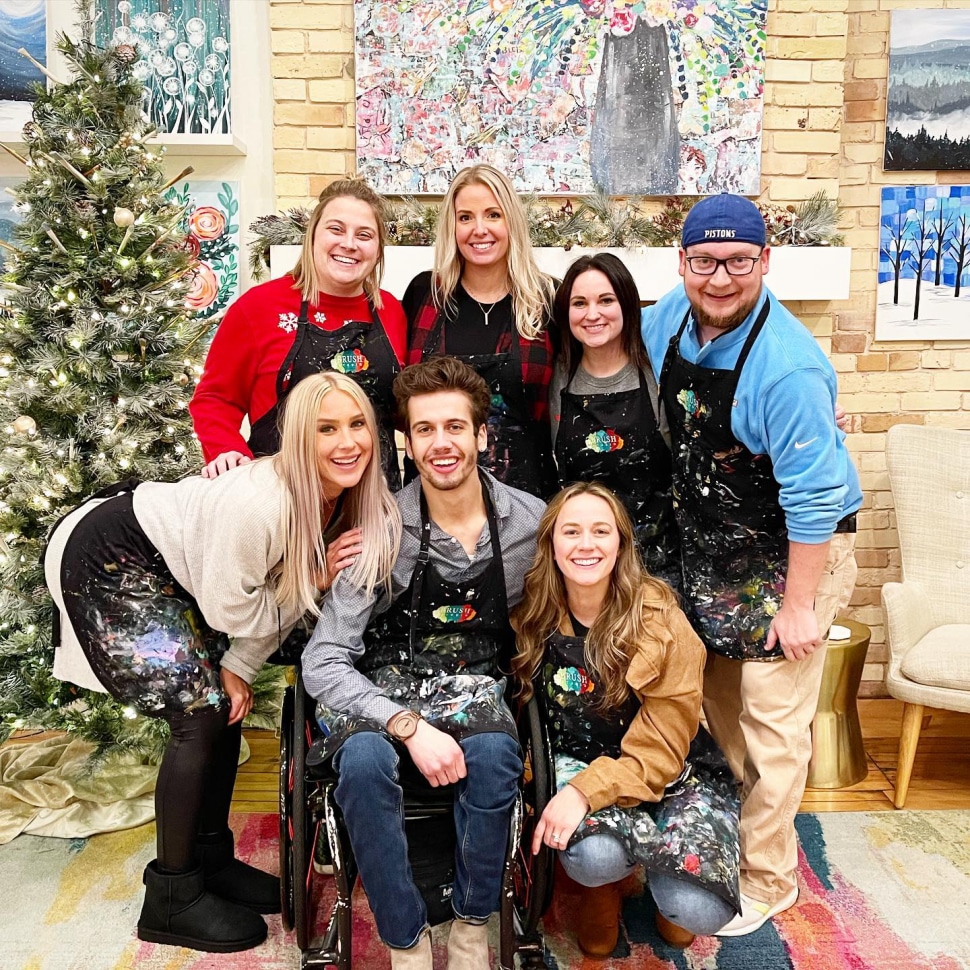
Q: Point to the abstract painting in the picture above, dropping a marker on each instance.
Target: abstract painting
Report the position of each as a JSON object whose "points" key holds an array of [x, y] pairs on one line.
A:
{"points": [[634, 97], [924, 263], [23, 23], [184, 59], [928, 109], [211, 227]]}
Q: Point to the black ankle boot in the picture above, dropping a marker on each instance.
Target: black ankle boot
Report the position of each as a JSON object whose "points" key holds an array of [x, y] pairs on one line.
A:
{"points": [[180, 912], [236, 881]]}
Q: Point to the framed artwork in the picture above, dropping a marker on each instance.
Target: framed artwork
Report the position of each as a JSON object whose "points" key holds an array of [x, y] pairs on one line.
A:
{"points": [[23, 23], [9, 215], [928, 102], [634, 97], [183, 48], [924, 263], [211, 226]]}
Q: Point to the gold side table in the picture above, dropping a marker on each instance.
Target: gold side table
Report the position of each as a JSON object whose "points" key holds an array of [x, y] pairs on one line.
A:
{"points": [[838, 755]]}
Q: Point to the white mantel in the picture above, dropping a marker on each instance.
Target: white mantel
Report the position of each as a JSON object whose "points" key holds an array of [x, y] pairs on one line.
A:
{"points": [[796, 272]]}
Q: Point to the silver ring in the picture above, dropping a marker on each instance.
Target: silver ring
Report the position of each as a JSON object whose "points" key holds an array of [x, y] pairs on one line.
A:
{"points": [[555, 838]]}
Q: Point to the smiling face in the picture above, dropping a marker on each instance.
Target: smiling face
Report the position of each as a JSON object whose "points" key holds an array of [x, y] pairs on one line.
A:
{"points": [[586, 542], [442, 439], [595, 315], [344, 443], [346, 246], [481, 232], [721, 302]]}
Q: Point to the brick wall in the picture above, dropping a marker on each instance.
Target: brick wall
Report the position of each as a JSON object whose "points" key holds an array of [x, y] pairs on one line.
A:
{"points": [[823, 129]]}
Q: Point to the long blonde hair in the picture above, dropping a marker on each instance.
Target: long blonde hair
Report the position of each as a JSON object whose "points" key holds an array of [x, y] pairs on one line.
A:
{"points": [[621, 624], [368, 505], [305, 277], [532, 290]]}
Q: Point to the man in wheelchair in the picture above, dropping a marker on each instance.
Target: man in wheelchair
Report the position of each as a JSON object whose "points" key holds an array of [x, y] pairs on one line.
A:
{"points": [[411, 673]]}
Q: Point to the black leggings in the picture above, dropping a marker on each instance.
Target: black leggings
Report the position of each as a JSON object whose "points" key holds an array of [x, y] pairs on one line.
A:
{"points": [[195, 783], [149, 645]]}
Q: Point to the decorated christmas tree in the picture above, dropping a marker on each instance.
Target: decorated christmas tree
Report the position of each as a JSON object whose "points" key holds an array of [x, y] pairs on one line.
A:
{"points": [[97, 357]]}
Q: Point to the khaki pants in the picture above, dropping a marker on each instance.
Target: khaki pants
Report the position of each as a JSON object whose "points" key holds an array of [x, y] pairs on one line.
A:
{"points": [[761, 716]]}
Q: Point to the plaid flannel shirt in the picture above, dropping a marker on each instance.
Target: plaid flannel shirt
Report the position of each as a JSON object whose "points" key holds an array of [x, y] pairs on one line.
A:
{"points": [[536, 355]]}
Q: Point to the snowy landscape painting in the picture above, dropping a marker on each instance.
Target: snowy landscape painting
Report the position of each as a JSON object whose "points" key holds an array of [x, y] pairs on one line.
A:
{"points": [[924, 263], [23, 23], [928, 109]]}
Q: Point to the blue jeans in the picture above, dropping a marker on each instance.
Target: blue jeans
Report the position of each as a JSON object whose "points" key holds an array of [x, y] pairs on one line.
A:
{"points": [[601, 859], [371, 800]]}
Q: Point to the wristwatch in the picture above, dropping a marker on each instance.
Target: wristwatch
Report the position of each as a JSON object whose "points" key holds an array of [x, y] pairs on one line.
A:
{"points": [[403, 725]]}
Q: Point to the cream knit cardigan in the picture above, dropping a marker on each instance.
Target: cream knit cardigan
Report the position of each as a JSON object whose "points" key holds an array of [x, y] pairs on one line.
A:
{"points": [[220, 539]]}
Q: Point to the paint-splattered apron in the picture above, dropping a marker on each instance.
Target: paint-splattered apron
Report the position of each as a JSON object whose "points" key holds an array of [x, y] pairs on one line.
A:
{"points": [[518, 451], [358, 349], [692, 833], [438, 650], [143, 634], [615, 439], [734, 541]]}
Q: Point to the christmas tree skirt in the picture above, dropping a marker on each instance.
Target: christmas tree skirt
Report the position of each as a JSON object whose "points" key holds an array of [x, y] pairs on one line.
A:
{"points": [[887, 891], [47, 788]]}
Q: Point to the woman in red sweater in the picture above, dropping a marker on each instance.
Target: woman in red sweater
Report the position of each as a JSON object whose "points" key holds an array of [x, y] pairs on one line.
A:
{"points": [[328, 313]]}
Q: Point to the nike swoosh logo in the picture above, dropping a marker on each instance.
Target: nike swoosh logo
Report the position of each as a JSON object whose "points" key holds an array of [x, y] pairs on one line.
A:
{"points": [[804, 444]]}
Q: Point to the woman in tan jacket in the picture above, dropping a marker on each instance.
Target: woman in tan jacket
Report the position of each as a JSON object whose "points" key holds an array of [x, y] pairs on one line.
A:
{"points": [[618, 669]]}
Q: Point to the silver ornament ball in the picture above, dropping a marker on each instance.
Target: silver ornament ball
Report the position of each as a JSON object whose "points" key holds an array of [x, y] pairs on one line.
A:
{"points": [[123, 218]]}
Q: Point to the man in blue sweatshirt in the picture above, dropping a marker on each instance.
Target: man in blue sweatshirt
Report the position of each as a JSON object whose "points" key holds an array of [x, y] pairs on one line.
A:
{"points": [[765, 495]]}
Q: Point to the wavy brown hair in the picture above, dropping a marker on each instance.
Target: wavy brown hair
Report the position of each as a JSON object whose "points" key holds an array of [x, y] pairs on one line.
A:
{"points": [[305, 276], [621, 625]]}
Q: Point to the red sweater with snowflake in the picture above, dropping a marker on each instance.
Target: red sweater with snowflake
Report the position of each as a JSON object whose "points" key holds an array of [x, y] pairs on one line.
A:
{"points": [[249, 348]]}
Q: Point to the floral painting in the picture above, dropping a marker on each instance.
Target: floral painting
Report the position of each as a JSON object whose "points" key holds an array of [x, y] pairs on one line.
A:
{"points": [[634, 97], [211, 227], [23, 23], [183, 59], [9, 216]]}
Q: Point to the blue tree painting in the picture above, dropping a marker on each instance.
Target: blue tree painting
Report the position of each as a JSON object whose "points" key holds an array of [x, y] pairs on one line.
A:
{"points": [[924, 263]]}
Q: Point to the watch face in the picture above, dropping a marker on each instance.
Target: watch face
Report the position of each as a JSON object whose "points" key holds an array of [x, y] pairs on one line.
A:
{"points": [[405, 725]]}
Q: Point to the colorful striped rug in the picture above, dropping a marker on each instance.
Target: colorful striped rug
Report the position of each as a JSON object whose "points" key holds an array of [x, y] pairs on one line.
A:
{"points": [[878, 892]]}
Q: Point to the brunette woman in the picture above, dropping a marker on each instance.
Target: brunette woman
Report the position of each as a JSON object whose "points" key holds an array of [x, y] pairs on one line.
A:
{"points": [[618, 669], [606, 422], [488, 304], [152, 581], [328, 313]]}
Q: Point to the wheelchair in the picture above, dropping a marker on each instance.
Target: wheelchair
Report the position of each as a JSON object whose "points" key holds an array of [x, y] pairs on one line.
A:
{"points": [[308, 810]]}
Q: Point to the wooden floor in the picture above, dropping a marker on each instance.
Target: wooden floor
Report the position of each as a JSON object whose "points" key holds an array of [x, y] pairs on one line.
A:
{"points": [[941, 776]]}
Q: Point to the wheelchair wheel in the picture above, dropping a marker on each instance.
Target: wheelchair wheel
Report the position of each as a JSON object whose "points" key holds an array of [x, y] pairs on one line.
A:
{"points": [[302, 829], [532, 875], [286, 809]]}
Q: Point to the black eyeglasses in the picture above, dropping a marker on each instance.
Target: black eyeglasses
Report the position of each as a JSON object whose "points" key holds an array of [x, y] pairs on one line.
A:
{"points": [[733, 265]]}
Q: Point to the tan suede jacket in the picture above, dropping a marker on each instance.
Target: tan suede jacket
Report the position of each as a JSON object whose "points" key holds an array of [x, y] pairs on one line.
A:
{"points": [[666, 674]]}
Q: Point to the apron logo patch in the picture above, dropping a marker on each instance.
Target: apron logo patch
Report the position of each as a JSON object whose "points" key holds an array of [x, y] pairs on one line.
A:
{"points": [[604, 441], [289, 322], [573, 680], [455, 614], [688, 401], [349, 362]]}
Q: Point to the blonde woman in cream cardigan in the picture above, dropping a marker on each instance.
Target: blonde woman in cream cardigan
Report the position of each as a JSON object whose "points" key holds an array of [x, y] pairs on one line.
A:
{"points": [[171, 597]]}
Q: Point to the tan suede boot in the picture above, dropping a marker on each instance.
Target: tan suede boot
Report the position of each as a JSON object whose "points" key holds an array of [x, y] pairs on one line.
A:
{"points": [[468, 946], [418, 957], [672, 934], [599, 919]]}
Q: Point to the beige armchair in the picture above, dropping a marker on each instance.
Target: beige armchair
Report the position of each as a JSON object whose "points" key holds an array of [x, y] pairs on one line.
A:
{"points": [[928, 613]]}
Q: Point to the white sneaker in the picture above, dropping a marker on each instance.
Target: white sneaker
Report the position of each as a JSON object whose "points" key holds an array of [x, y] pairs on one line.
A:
{"points": [[754, 914]]}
